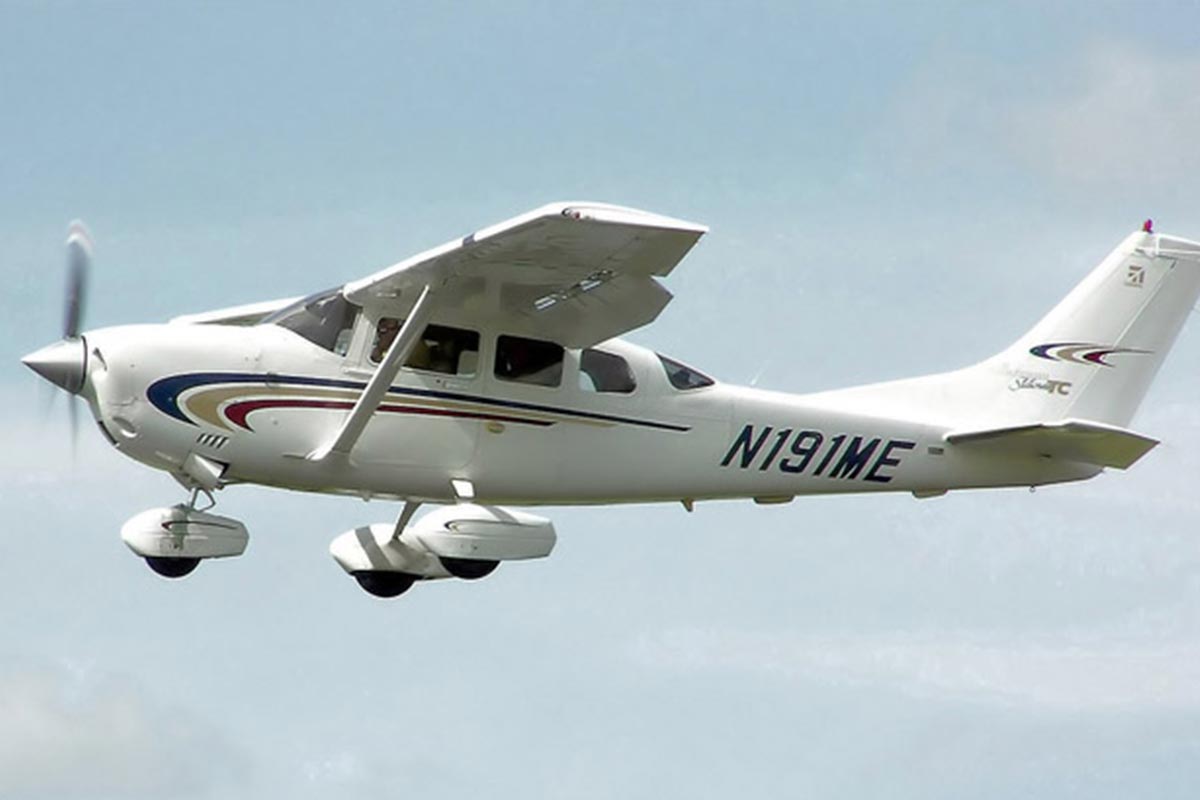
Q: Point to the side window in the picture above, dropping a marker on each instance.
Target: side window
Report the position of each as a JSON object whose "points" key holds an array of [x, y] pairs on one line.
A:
{"points": [[682, 376], [441, 348], [604, 372], [528, 361], [450, 351]]}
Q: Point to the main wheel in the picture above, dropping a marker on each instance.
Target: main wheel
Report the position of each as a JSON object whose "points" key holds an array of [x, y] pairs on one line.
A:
{"points": [[384, 584], [469, 568], [170, 567]]}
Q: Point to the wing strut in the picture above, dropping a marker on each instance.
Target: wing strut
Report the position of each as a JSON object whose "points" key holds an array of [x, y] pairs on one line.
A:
{"points": [[353, 427], [406, 515]]}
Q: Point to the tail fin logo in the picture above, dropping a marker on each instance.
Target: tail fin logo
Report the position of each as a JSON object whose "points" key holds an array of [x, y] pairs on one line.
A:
{"points": [[1081, 352]]}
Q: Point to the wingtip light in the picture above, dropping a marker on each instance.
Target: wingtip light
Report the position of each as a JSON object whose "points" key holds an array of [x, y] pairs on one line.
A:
{"points": [[77, 233]]}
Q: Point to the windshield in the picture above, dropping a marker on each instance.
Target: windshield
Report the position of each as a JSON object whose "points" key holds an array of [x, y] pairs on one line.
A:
{"points": [[326, 319], [682, 376]]}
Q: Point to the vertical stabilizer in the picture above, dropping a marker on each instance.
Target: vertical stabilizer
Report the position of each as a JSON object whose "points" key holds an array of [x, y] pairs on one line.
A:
{"points": [[1094, 355]]}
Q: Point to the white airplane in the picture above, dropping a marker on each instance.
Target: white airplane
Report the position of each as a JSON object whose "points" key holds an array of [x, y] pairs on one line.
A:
{"points": [[485, 373]]}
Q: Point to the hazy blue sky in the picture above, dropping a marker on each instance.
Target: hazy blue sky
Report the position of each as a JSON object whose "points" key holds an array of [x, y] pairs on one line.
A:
{"points": [[892, 188]]}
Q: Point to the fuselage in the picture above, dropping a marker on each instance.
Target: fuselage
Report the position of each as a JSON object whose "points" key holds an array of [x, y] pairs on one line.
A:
{"points": [[259, 400]]}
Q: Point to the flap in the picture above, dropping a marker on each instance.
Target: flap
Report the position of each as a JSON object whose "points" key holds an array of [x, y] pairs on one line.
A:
{"points": [[1071, 440]]}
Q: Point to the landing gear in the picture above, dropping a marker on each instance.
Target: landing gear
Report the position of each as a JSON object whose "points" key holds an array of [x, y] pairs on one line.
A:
{"points": [[175, 539], [470, 569], [175, 567], [384, 584], [464, 540], [172, 567]]}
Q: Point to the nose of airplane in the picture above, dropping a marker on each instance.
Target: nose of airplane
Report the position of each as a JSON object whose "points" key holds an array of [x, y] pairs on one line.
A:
{"points": [[63, 363]]}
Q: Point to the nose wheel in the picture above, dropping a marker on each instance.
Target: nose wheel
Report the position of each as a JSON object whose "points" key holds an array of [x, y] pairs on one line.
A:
{"points": [[172, 567], [175, 539]]}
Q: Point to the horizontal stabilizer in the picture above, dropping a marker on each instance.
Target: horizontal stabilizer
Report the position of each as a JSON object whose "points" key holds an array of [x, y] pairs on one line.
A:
{"points": [[1070, 440]]}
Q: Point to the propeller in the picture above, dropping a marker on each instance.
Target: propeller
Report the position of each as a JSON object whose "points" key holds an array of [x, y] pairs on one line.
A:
{"points": [[64, 363], [79, 262], [79, 265]]}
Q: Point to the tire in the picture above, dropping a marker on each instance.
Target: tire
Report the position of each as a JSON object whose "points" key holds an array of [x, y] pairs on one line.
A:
{"points": [[170, 567], [384, 584], [471, 569]]}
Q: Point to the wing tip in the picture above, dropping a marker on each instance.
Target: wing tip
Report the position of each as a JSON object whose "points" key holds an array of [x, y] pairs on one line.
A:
{"points": [[610, 212]]}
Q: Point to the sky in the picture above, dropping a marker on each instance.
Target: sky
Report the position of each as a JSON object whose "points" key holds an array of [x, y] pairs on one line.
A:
{"points": [[892, 188]]}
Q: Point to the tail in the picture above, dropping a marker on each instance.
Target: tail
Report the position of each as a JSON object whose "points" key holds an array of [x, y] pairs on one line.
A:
{"points": [[1094, 355], [1068, 388]]}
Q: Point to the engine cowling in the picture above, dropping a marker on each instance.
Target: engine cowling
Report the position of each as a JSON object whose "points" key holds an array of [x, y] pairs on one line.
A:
{"points": [[181, 532], [451, 535]]}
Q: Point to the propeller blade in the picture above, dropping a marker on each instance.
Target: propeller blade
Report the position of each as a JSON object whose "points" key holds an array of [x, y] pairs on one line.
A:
{"points": [[74, 412], [79, 258]]}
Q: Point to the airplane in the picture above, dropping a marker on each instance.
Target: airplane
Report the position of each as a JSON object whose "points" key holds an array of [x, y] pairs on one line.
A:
{"points": [[487, 375]]}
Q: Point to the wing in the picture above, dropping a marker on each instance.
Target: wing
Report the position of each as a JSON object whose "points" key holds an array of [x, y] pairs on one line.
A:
{"points": [[250, 314], [575, 273]]}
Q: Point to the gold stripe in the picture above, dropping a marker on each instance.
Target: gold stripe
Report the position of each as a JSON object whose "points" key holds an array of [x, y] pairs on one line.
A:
{"points": [[207, 404]]}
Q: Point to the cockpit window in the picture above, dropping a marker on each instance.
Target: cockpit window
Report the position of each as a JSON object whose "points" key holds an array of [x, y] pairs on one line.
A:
{"points": [[683, 377], [605, 372], [325, 319]]}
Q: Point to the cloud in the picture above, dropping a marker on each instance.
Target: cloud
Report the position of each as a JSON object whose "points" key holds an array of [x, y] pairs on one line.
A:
{"points": [[1058, 673], [67, 734], [1105, 114], [340, 768], [1127, 115]]}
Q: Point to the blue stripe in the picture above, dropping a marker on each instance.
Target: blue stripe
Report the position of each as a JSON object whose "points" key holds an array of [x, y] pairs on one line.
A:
{"points": [[164, 395]]}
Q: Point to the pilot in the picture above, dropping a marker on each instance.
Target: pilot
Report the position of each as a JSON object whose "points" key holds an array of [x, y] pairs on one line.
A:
{"points": [[385, 334]]}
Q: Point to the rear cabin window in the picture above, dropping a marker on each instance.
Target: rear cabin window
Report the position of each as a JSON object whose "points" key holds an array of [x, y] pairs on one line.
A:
{"points": [[528, 361], [325, 319], [441, 348], [682, 376], [604, 372]]}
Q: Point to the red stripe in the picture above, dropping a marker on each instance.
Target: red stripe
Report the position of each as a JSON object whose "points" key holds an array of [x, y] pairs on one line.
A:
{"points": [[237, 412]]}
